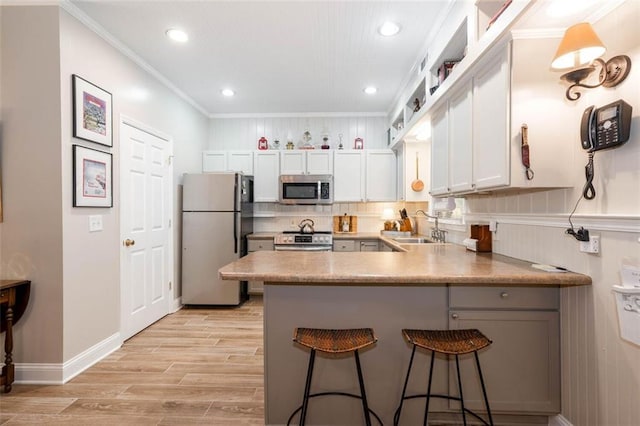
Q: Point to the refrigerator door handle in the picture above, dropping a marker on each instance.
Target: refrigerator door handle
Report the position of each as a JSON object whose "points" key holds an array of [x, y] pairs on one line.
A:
{"points": [[236, 213], [236, 217]]}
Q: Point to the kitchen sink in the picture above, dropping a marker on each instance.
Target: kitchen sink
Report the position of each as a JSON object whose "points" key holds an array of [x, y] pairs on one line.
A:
{"points": [[412, 240]]}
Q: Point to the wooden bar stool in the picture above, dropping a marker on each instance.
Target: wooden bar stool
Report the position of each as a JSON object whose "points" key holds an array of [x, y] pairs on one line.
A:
{"points": [[334, 342], [451, 342]]}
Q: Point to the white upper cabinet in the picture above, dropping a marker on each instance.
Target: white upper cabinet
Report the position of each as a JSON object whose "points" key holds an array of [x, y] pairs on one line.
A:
{"points": [[381, 175], [306, 162], [228, 161], [241, 161], [349, 176], [460, 140], [214, 161], [266, 168], [490, 123], [440, 152]]}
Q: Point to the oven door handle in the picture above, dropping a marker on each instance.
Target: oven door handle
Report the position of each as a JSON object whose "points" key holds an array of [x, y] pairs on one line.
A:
{"points": [[298, 248]]}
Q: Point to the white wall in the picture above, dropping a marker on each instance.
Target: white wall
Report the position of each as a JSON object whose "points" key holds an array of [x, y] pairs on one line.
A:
{"points": [[600, 371], [75, 300], [244, 132]]}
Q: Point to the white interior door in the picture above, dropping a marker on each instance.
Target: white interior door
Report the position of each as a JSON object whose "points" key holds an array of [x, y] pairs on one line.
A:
{"points": [[146, 206]]}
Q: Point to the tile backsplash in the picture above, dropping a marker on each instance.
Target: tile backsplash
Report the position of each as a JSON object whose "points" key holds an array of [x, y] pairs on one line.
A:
{"points": [[273, 217]]}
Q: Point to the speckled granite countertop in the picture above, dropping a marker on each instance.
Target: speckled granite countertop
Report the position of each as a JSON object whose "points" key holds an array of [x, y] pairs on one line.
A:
{"points": [[421, 264]]}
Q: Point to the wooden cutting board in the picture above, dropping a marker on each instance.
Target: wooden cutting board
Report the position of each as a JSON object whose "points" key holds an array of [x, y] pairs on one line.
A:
{"points": [[353, 224]]}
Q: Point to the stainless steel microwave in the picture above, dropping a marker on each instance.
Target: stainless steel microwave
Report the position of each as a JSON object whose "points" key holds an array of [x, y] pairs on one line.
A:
{"points": [[306, 189]]}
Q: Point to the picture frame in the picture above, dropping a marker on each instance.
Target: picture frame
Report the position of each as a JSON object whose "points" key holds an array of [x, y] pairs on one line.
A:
{"points": [[92, 112], [92, 177]]}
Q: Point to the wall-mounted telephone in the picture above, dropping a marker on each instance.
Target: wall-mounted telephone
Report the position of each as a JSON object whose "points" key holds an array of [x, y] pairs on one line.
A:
{"points": [[605, 127]]}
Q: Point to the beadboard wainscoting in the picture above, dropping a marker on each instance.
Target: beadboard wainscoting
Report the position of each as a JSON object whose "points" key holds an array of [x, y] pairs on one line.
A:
{"points": [[243, 131], [600, 371]]}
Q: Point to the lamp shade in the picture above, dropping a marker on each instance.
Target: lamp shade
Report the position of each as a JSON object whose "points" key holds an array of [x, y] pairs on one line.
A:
{"points": [[580, 45]]}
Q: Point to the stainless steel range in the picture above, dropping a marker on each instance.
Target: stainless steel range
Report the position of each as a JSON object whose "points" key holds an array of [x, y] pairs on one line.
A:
{"points": [[299, 241]]}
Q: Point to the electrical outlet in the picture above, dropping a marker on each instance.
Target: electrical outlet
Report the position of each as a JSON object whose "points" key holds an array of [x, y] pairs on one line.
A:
{"points": [[591, 246]]}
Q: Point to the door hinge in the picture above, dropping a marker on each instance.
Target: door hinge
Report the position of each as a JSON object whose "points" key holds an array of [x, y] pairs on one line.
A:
{"points": [[169, 223], [169, 160], [170, 285]]}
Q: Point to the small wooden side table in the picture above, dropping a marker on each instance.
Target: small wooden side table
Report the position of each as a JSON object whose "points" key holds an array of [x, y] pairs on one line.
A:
{"points": [[14, 296]]}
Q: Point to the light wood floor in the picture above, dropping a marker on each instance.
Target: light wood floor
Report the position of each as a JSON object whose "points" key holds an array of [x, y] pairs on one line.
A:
{"points": [[196, 366]]}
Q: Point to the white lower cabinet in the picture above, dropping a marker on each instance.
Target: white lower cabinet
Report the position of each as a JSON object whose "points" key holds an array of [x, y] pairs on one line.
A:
{"points": [[521, 368], [257, 287]]}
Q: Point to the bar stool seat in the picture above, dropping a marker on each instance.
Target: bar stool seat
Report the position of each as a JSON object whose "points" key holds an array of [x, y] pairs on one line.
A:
{"points": [[334, 341], [450, 342]]}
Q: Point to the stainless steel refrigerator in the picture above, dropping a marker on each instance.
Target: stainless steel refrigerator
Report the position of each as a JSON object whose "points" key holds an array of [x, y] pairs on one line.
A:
{"points": [[217, 216]]}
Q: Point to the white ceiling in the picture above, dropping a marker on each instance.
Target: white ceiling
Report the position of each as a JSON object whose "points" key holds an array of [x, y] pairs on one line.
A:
{"points": [[278, 56], [295, 56]]}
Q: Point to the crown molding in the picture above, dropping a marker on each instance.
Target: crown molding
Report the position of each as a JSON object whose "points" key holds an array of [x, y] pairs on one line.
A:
{"points": [[118, 45], [300, 114]]}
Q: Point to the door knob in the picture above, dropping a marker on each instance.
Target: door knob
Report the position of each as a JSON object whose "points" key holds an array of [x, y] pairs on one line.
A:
{"points": [[129, 243]]}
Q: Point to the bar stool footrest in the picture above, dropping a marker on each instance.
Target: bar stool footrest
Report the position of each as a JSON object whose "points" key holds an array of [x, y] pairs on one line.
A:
{"points": [[351, 395], [453, 398]]}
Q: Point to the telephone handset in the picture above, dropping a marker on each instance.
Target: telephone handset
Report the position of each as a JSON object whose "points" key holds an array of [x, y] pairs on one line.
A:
{"points": [[605, 127]]}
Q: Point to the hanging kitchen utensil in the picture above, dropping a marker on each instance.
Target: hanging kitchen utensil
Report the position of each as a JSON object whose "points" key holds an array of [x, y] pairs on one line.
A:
{"points": [[525, 152], [417, 185]]}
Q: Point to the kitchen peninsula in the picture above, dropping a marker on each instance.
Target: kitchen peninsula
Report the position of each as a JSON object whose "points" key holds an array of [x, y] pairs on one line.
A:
{"points": [[436, 286]]}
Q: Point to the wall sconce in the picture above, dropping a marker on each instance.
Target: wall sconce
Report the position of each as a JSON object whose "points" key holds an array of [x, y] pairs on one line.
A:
{"points": [[581, 45]]}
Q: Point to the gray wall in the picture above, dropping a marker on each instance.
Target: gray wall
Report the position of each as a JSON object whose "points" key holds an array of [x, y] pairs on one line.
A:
{"points": [[75, 274]]}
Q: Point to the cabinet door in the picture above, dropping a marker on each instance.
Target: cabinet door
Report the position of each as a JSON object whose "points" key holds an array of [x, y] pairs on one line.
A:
{"points": [[214, 161], [319, 162], [521, 368], [439, 153], [348, 176], [381, 176], [293, 163], [491, 151], [266, 172], [240, 161], [460, 147], [369, 246]]}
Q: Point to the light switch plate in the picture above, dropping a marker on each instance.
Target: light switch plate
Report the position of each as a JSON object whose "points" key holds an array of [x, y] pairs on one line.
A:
{"points": [[95, 223]]}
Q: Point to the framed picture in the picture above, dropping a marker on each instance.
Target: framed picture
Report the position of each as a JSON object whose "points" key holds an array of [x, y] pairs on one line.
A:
{"points": [[91, 112], [92, 180]]}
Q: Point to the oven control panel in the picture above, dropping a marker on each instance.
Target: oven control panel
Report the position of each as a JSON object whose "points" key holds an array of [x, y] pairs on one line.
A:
{"points": [[304, 239]]}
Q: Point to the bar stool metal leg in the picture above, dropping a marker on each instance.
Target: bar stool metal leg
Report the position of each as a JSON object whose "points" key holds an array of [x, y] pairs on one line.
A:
{"points": [[464, 414], [307, 387], [365, 406], [426, 409], [396, 416], [484, 391]]}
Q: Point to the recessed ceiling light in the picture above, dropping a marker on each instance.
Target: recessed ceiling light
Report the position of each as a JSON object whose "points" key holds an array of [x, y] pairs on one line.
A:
{"points": [[177, 35], [370, 90], [227, 92], [389, 29]]}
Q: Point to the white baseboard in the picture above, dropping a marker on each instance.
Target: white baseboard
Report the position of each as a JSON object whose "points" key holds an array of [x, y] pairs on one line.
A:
{"points": [[177, 305], [58, 374], [559, 420]]}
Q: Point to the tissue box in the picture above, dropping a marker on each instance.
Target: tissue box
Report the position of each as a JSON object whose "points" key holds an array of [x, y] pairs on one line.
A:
{"points": [[628, 301]]}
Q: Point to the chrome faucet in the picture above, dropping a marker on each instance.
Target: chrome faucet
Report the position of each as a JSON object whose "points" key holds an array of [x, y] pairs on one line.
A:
{"points": [[437, 234]]}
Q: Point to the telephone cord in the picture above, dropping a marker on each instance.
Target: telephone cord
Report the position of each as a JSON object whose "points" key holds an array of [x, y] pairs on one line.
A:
{"points": [[589, 192]]}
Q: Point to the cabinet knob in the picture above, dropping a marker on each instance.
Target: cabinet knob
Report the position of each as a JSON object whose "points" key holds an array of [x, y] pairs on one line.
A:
{"points": [[454, 316], [504, 294]]}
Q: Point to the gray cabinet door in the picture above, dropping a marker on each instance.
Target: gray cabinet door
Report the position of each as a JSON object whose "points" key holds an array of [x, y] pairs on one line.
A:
{"points": [[521, 368]]}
